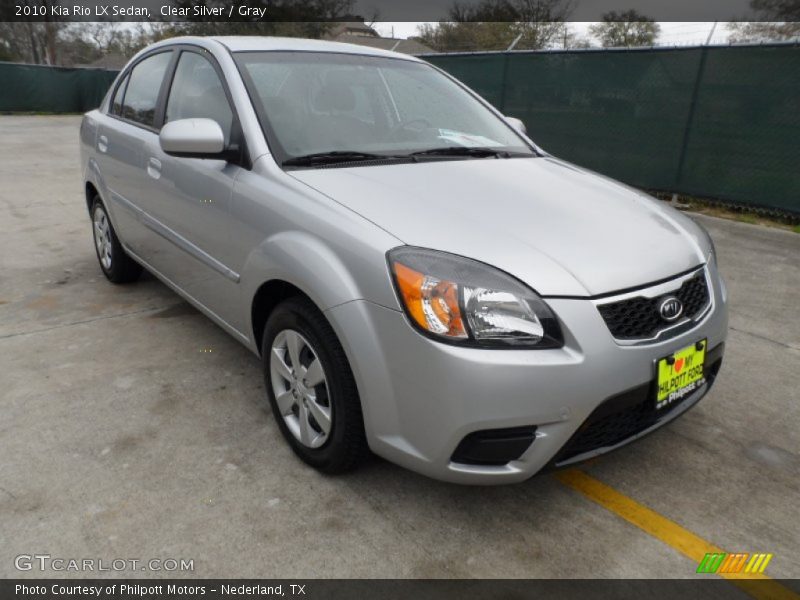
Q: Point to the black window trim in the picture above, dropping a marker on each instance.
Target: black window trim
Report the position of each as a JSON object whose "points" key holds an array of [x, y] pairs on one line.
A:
{"points": [[121, 87], [156, 127], [237, 140], [237, 134]]}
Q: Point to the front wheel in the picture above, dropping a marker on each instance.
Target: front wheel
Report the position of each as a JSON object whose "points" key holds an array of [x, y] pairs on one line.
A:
{"points": [[116, 265], [311, 388]]}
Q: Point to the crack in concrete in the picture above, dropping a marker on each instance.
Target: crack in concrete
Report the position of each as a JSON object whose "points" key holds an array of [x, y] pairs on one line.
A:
{"points": [[65, 325], [765, 338]]}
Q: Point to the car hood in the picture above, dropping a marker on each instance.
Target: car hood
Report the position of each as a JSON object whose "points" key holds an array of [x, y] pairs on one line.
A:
{"points": [[561, 229]]}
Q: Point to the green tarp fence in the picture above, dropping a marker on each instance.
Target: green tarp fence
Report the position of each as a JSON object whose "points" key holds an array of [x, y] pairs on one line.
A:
{"points": [[720, 122], [35, 88]]}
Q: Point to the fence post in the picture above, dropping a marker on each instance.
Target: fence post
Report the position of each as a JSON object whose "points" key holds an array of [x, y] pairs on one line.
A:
{"points": [[504, 83], [701, 67]]}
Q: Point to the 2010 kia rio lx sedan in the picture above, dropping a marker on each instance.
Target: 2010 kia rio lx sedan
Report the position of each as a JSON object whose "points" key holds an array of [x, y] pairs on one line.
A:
{"points": [[419, 278]]}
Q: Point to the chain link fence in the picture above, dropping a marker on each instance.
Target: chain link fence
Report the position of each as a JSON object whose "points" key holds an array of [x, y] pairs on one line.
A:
{"points": [[42, 88], [720, 122]]}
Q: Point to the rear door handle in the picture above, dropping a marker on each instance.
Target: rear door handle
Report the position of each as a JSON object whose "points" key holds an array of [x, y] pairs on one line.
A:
{"points": [[154, 168], [102, 144]]}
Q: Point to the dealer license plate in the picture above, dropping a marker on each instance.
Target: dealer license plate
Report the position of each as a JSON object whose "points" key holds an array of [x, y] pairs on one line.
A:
{"points": [[680, 374]]}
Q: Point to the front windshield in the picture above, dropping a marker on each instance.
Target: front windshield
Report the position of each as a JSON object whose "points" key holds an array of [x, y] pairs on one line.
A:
{"points": [[318, 102]]}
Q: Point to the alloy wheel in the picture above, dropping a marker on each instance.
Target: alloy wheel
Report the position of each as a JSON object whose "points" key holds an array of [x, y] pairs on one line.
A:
{"points": [[102, 237], [301, 388]]}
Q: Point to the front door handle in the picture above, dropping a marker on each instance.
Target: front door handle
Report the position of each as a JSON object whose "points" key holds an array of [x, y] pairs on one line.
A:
{"points": [[102, 144], [154, 168]]}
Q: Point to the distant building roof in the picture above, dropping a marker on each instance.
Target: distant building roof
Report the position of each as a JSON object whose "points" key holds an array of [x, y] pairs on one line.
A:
{"points": [[358, 32], [352, 28], [112, 61], [409, 46]]}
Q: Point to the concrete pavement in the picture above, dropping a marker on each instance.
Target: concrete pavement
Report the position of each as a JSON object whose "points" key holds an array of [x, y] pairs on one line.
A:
{"points": [[129, 428]]}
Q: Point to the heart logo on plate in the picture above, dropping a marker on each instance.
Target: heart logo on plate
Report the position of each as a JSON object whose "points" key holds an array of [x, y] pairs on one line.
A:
{"points": [[679, 364]]}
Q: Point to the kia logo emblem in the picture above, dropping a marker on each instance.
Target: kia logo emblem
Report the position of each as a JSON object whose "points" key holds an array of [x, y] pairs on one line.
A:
{"points": [[670, 308]]}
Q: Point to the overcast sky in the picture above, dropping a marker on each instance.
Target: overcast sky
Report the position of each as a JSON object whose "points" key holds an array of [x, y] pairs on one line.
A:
{"points": [[679, 34]]}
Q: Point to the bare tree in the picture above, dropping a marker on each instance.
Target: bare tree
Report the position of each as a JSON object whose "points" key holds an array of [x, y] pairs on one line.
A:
{"points": [[780, 10], [743, 32], [74, 43], [625, 29], [780, 22], [50, 30], [20, 42], [23, 40], [29, 41], [494, 24]]}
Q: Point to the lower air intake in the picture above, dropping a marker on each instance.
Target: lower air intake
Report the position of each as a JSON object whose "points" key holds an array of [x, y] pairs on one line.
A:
{"points": [[494, 447]]}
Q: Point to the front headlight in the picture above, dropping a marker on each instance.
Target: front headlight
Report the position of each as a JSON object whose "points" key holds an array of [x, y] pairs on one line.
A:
{"points": [[466, 302]]}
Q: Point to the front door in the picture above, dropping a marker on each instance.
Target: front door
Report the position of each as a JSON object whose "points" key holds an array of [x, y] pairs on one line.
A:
{"points": [[190, 199]]}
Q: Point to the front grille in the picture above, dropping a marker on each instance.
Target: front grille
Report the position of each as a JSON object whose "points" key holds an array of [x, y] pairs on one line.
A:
{"points": [[638, 318], [605, 431], [624, 415]]}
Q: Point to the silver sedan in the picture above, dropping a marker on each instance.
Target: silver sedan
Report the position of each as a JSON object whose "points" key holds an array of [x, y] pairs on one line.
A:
{"points": [[419, 278]]}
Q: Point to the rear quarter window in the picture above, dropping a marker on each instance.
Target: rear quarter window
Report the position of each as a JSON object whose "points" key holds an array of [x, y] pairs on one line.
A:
{"points": [[116, 102]]}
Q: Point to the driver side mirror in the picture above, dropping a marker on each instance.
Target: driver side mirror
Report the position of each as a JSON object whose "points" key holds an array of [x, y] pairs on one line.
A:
{"points": [[517, 124], [194, 138]]}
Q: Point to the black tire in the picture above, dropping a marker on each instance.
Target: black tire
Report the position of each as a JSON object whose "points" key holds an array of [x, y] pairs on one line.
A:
{"points": [[346, 446], [122, 268]]}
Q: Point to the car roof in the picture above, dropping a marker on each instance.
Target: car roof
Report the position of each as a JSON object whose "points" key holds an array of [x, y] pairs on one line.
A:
{"points": [[264, 43]]}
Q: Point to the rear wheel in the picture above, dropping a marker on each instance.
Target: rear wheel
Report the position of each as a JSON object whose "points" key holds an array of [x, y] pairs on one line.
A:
{"points": [[115, 263], [311, 388]]}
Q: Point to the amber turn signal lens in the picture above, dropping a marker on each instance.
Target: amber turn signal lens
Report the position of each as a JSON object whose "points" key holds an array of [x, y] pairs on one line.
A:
{"points": [[432, 303]]}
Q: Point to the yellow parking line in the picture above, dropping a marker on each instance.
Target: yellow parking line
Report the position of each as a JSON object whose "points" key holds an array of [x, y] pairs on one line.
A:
{"points": [[757, 585]]}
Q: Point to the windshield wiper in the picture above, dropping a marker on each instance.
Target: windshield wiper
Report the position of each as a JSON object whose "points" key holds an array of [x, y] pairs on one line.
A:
{"points": [[334, 156], [345, 156], [476, 151]]}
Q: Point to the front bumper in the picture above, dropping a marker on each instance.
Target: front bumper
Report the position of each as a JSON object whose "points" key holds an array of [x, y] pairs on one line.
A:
{"points": [[421, 398]]}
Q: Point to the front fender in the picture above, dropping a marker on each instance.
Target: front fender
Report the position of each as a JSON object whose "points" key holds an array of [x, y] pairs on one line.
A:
{"points": [[308, 263]]}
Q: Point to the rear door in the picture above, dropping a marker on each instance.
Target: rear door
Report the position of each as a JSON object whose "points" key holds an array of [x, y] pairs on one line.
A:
{"points": [[190, 197], [122, 136]]}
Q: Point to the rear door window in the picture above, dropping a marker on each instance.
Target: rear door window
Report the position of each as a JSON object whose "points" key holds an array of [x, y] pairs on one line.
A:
{"points": [[141, 95]]}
